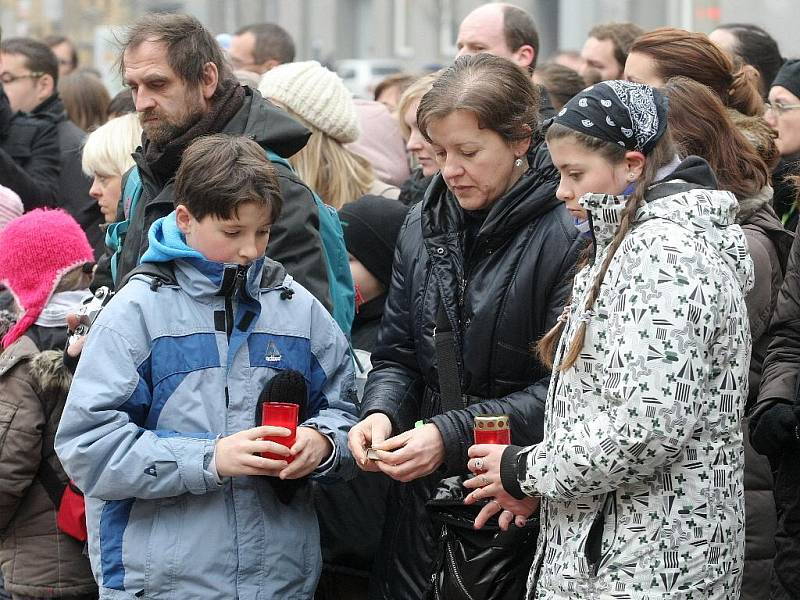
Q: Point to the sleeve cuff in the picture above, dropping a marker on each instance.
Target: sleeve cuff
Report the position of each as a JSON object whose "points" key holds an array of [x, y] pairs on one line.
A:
{"points": [[327, 464], [508, 472]]}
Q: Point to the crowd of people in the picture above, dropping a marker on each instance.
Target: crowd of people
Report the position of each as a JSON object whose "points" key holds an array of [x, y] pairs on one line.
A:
{"points": [[594, 254]]}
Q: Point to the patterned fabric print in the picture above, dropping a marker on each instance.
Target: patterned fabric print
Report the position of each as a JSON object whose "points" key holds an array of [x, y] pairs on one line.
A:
{"points": [[643, 433], [641, 105], [629, 114]]}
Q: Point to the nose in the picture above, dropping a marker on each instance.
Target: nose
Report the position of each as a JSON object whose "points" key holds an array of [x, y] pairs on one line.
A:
{"points": [[142, 100], [414, 143], [95, 191], [563, 193], [771, 118], [451, 168], [249, 251]]}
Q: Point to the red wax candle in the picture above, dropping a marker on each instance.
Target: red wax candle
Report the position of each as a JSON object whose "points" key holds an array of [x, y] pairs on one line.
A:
{"points": [[280, 414]]}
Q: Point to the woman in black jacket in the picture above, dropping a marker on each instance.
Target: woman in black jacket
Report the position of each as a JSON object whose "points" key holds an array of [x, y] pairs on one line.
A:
{"points": [[490, 253]]}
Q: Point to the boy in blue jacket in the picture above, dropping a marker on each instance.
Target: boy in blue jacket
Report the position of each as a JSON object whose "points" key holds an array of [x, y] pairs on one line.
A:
{"points": [[159, 429]]}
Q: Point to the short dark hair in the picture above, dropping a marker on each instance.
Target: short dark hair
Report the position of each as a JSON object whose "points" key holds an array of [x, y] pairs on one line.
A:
{"points": [[38, 56], [621, 36], [757, 48], [273, 42], [561, 83], [495, 90], [221, 172], [519, 29], [190, 46], [121, 104], [55, 40]]}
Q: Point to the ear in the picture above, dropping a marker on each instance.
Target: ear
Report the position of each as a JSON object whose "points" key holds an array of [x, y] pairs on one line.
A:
{"points": [[635, 162], [524, 55], [45, 87], [210, 80], [520, 147], [270, 64], [184, 218]]}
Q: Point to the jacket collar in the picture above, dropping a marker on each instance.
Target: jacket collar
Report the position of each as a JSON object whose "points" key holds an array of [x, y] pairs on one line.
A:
{"points": [[605, 210]]}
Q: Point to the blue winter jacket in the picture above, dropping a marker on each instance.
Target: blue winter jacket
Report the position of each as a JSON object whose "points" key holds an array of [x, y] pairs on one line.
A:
{"points": [[165, 371]]}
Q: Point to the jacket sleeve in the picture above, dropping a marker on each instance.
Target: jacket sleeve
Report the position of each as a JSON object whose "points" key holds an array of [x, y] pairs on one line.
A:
{"points": [[650, 384], [36, 183], [773, 423], [295, 239], [333, 394], [99, 442], [394, 385], [21, 423]]}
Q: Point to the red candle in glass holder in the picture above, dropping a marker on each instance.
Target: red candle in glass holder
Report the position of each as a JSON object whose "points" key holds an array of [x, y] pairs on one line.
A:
{"points": [[280, 414], [492, 429]]}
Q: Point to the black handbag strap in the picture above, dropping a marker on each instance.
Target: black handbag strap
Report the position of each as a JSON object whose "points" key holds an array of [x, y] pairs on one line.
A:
{"points": [[47, 475], [449, 380]]}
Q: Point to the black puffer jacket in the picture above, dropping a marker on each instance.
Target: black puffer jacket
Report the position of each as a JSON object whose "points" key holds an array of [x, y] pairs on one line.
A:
{"points": [[499, 302]]}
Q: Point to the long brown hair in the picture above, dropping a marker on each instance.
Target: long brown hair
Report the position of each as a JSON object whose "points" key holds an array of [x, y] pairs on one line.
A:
{"points": [[700, 125], [678, 52], [661, 154]]}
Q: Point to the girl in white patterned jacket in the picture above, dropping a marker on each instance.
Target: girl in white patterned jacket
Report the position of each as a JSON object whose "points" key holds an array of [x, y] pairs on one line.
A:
{"points": [[640, 471]]}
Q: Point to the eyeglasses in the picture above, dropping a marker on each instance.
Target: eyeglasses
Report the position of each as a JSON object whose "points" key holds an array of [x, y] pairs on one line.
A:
{"points": [[779, 108], [7, 77]]}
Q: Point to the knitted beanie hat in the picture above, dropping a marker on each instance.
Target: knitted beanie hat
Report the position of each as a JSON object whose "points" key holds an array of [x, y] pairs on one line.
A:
{"points": [[371, 226], [38, 249], [316, 94], [789, 77], [10, 206]]}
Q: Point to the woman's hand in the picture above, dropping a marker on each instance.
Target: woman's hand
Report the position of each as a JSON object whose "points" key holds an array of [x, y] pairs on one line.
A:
{"points": [[485, 464], [412, 454], [371, 431]]}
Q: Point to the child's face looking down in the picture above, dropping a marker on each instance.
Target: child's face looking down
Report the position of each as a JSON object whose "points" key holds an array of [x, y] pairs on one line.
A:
{"points": [[240, 239]]}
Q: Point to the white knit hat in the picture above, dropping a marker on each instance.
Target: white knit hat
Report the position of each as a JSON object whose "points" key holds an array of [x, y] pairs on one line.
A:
{"points": [[316, 94]]}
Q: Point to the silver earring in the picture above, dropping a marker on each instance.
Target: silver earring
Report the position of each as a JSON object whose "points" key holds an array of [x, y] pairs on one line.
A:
{"points": [[631, 176], [518, 162]]}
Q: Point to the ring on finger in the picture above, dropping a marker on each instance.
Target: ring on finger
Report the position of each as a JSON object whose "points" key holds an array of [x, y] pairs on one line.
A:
{"points": [[478, 464], [498, 505]]}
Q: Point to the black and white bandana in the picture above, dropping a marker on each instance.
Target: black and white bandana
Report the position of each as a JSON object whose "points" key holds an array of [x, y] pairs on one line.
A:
{"points": [[626, 113]]}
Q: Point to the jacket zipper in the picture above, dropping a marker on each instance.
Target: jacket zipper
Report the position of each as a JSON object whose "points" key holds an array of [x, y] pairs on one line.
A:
{"points": [[454, 569], [229, 296]]}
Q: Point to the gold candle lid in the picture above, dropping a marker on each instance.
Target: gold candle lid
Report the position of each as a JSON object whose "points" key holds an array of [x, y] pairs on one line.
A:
{"points": [[492, 422]]}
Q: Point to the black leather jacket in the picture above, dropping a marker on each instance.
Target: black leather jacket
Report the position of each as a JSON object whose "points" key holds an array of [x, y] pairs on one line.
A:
{"points": [[499, 301]]}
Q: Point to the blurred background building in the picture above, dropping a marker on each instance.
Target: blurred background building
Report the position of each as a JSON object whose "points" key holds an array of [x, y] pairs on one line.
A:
{"points": [[376, 37]]}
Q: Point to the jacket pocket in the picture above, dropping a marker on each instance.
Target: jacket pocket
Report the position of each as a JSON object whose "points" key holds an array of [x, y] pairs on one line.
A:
{"points": [[7, 412], [596, 554], [164, 547]]}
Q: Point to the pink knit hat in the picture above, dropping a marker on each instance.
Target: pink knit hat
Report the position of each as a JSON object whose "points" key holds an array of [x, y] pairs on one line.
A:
{"points": [[36, 251]]}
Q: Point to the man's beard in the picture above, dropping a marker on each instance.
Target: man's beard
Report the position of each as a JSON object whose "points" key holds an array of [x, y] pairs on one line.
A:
{"points": [[164, 130]]}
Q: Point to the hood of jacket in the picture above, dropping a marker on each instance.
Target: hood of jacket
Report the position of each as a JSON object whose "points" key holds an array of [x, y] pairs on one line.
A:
{"points": [[688, 198], [272, 127], [199, 276], [531, 196]]}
